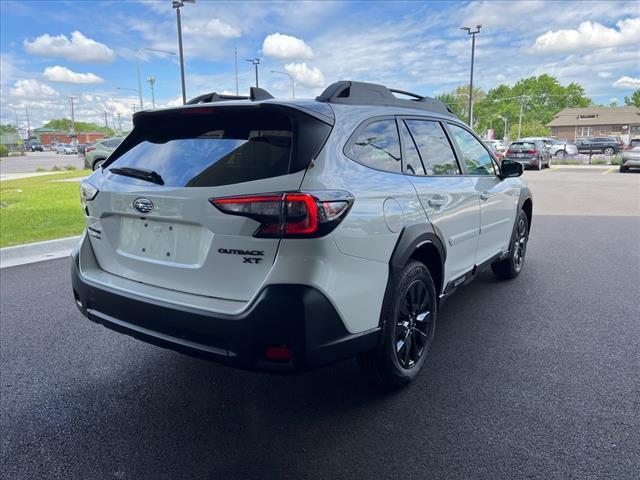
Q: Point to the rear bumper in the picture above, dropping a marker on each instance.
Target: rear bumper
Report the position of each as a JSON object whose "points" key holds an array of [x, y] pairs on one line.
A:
{"points": [[296, 316], [631, 162], [527, 162]]}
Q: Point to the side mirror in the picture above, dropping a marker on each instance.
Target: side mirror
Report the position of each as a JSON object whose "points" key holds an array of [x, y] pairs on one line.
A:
{"points": [[509, 169]]}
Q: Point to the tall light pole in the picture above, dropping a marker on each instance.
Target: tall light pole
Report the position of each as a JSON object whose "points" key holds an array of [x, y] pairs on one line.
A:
{"points": [[235, 55], [505, 135], [151, 79], [15, 110], [177, 4], [522, 99], [473, 50], [26, 110], [73, 117], [146, 49], [106, 123], [293, 83], [255, 62]]}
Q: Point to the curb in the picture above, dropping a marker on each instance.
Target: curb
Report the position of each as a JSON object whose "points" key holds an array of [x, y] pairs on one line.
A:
{"points": [[37, 252]]}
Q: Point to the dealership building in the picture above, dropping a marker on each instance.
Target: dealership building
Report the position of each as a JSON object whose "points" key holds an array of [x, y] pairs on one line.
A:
{"points": [[572, 123], [49, 136]]}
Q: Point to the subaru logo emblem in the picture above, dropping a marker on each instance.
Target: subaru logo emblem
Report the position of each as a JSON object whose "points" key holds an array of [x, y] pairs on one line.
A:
{"points": [[143, 205]]}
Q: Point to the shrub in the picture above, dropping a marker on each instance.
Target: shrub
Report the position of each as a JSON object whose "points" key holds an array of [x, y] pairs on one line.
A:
{"points": [[69, 167], [4, 151], [56, 168]]}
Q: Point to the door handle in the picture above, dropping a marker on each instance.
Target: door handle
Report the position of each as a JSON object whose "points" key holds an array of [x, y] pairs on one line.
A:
{"points": [[436, 201], [484, 196]]}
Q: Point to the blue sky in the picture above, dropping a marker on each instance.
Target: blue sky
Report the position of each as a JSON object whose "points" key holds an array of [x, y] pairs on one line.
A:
{"points": [[51, 50]]}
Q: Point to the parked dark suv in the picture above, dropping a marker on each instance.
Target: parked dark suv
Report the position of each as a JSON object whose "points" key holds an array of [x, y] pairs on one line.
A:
{"points": [[607, 145]]}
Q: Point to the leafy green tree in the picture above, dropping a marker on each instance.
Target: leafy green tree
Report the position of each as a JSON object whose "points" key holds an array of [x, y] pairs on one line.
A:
{"points": [[532, 129], [8, 128], [64, 125], [634, 99], [458, 100], [542, 98]]}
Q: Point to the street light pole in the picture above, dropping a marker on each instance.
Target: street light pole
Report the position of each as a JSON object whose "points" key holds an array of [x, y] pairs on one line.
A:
{"points": [[15, 110], [293, 83], [255, 62], [235, 56], [522, 97], [26, 109], [505, 120], [177, 4], [151, 79], [73, 118], [147, 49], [473, 49]]}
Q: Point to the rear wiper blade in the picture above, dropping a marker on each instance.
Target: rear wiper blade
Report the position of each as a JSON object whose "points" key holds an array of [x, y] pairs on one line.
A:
{"points": [[139, 173]]}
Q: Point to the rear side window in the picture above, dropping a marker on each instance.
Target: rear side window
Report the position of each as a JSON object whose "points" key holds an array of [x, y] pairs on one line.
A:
{"points": [[523, 146], [434, 147], [476, 158], [377, 146], [112, 143], [221, 147]]}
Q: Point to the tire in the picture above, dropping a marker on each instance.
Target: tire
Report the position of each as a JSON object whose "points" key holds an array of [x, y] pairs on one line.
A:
{"points": [[560, 154], [97, 164], [511, 266], [409, 316], [540, 164], [624, 169], [609, 151]]}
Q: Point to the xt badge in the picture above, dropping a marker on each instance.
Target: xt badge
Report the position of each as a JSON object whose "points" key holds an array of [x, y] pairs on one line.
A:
{"points": [[248, 256]]}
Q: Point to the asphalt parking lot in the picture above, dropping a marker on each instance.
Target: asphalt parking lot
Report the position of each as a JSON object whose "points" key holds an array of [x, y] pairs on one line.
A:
{"points": [[32, 161], [538, 377]]}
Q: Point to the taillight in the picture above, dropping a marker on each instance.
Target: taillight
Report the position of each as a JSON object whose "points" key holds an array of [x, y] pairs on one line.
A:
{"points": [[289, 214], [531, 152], [89, 149], [509, 152]]}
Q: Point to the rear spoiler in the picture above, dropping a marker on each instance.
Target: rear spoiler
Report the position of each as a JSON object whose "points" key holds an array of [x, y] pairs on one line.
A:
{"points": [[255, 93]]}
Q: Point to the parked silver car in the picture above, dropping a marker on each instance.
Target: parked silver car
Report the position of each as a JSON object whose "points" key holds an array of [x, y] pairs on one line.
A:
{"points": [[631, 156], [557, 148]]}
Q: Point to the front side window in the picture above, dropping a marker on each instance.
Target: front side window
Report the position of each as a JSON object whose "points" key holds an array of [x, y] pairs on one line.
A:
{"points": [[476, 158], [434, 147], [377, 146]]}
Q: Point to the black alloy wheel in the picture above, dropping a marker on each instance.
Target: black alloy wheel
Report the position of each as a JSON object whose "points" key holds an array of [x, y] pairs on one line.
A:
{"points": [[413, 325]]}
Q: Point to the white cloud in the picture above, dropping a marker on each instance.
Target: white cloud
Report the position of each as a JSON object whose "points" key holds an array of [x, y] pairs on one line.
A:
{"points": [[627, 82], [285, 46], [305, 76], [590, 35], [213, 28], [604, 74], [501, 77], [78, 49], [64, 75], [31, 88]]}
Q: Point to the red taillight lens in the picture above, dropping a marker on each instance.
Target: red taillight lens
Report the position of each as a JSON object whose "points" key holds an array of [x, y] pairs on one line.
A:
{"points": [[89, 149], [280, 353], [509, 152], [289, 214], [531, 152]]}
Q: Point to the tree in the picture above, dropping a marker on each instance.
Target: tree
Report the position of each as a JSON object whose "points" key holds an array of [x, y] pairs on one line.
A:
{"points": [[634, 99], [542, 98], [458, 100], [64, 125], [531, 129], [8, 128]]}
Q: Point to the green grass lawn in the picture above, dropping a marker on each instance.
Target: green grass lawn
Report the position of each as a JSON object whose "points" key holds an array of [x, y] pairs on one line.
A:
{"points": [[40, 208]]}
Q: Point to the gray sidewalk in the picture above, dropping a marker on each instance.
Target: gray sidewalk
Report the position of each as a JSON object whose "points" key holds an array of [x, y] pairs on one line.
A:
{"points": [[37, 252]]}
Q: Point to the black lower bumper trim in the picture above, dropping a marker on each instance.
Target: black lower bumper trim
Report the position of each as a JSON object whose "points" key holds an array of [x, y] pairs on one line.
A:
{"points": [[297, 316]]}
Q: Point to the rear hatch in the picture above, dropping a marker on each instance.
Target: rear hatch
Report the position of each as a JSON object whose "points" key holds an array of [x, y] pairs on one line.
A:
{"points": [[152, 220], [522, 150]]}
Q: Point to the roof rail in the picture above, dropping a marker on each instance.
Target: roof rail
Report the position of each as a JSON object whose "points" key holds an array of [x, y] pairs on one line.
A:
{"points": [[254, 94], [364, 93]]}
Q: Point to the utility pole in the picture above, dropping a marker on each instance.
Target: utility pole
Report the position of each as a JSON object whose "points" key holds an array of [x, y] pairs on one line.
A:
{"points": [[73, 118], [119, 124], [113, 121], [106, 123], [26, 109], [151, 79], [473, 49], [177, 4], [235, 54], [293, 83], [255, 62], [522, 98]]}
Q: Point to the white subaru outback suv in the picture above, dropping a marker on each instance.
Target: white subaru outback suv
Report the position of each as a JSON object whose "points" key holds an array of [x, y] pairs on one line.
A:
{"points": [[283, 235]]}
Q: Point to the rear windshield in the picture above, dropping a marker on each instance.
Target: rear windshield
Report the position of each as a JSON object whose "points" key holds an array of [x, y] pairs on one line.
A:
{"points": [[216, 147], [523, 146]]}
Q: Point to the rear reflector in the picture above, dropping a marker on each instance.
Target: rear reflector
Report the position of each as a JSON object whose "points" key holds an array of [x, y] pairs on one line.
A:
{"points": [[280, 353], [289, 214]]}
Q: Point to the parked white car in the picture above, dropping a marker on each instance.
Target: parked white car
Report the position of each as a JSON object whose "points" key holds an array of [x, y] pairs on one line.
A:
{"points": [[282, 235]]}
